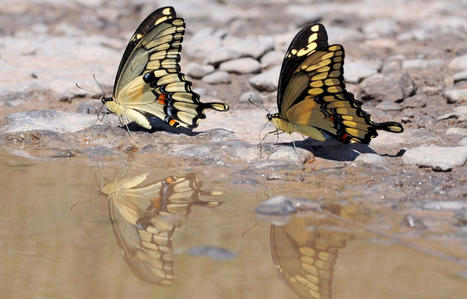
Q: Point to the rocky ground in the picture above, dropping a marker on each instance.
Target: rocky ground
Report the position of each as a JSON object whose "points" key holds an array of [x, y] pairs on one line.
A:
{"points": [[406, 60]]}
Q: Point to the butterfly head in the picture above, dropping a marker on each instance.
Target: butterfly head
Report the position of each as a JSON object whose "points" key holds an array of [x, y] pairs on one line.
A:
{"points": [[272, 117], [106, 99]]}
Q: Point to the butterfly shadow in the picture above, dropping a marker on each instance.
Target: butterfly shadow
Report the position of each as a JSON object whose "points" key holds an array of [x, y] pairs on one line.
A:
{"points": [[159, 125], [334, 150]]}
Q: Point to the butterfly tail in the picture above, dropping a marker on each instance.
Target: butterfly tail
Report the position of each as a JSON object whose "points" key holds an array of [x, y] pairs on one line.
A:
{"points": [[216, 106], [389, 126]]}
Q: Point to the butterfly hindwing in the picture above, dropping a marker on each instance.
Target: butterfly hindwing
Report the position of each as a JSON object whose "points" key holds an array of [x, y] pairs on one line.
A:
{"points": [[312, 94], [149, 81]]}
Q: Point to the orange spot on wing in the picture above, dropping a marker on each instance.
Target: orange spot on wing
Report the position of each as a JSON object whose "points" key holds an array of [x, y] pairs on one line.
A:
{"points": [[156, 203], [345, 136], [172, 122], [162, 98]]}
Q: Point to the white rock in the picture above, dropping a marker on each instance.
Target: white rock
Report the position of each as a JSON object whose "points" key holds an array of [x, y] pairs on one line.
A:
{"points": [[338, 34], [52, 120], [461, 76], [250, 46], [218, 77], [241, 66], [355, 71], [370, 158], [203, 43], [380, 27], [197, 71], [436, 157], [459, 63], [459, 112], [463, 142], [272, 58], [455, 95], [267, 81], [220, 55], [422, 63], [254, 96], [456, 131]]}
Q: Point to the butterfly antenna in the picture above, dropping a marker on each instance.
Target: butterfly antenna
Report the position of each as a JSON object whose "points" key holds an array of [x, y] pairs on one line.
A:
{"points": [[93, 91], [98, 84], [261, 107]]}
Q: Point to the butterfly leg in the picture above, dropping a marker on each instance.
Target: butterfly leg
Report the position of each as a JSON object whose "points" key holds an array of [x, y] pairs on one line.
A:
{"points": [[261, 143], [295, 150]]}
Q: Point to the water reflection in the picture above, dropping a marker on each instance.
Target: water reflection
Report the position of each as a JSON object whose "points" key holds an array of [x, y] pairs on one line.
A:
{"points": [[305, 251], [144, 215]]}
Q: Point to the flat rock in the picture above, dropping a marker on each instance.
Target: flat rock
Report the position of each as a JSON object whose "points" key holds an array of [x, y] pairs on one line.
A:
{"points": [[463, 142], [338, 34], [459, 63], [198, 71], [445, 205], [272, 58], [459, 77], [252, 46], [254, 96], [356, 71], [436, 157], [369, 158], [220, 55], [283, 205], [456, 131], [266, 81], [392, 87], [218, 77], [459, 113], [422, 63], [388, 105], [241, 66], [49, 65], [380, 27], [455, 95], [203, 43], [416, 101], [51, 120]]}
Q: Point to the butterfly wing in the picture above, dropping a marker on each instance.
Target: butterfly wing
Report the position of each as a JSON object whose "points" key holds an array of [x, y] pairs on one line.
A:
{"points": [[149, 81], [312, 92]]}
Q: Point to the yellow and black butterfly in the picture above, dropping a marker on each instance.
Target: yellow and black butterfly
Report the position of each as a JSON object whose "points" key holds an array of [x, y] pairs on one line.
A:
{"points": [[144, 218], [149, 81], [311, 95]]}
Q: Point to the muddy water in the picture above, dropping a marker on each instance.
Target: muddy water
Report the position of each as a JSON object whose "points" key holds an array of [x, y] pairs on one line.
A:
{"points": [[154, 229]]}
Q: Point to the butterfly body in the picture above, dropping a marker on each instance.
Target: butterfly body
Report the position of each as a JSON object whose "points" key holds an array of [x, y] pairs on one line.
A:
{"points": [[312, 98], [149, 81]]}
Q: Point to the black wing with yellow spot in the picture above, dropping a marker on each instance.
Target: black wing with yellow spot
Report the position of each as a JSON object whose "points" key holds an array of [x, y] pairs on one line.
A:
{"points": [[312, 92], [149, 79]]}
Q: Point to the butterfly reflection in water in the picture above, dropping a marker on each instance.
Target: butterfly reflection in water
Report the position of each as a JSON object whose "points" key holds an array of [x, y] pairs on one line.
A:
{"points": [[311, 95], [144, 217], [305, 251], [149, 81]]}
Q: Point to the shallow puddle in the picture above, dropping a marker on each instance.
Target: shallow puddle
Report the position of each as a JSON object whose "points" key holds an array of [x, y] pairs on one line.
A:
{"points": [[153, 229]]}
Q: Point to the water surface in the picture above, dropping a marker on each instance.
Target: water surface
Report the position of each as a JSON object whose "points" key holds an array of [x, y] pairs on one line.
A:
{"points": [[91, 229]]}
